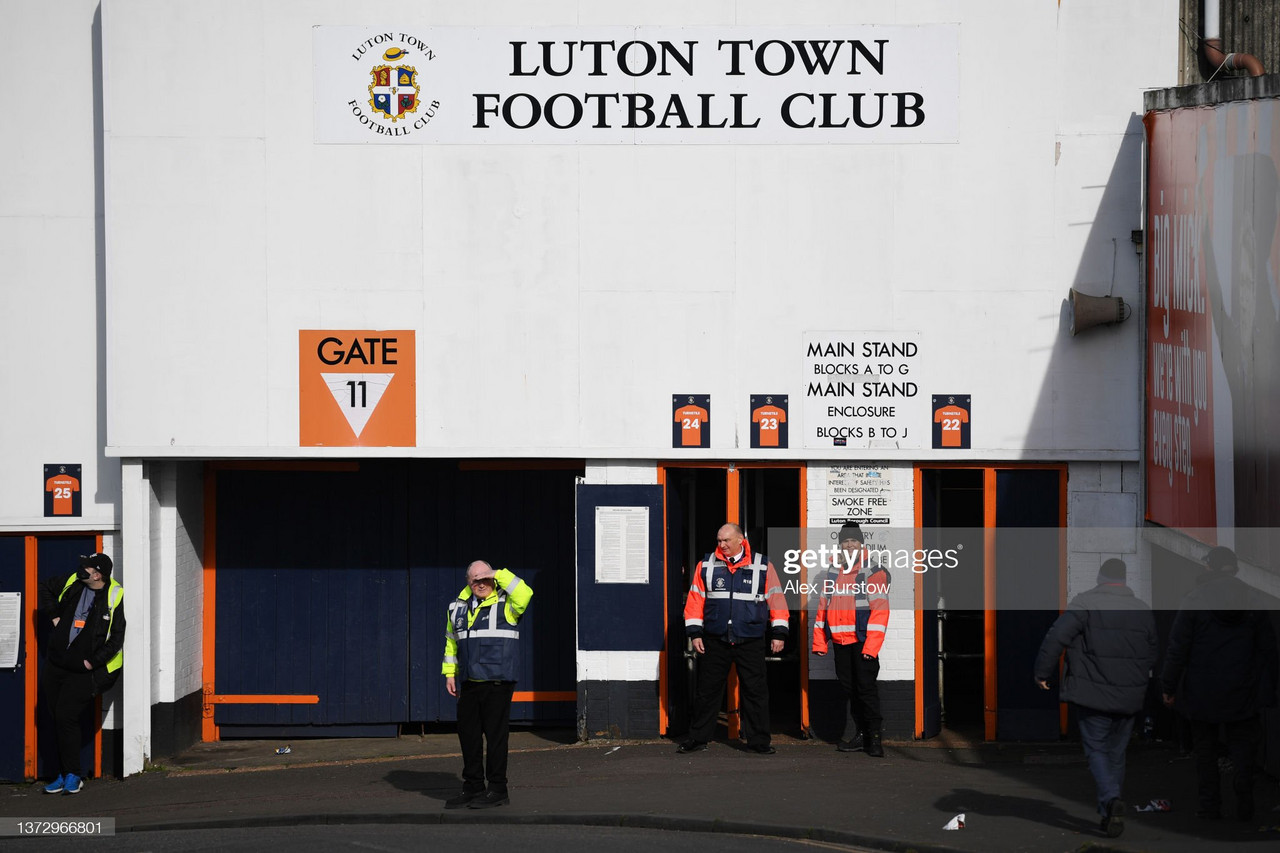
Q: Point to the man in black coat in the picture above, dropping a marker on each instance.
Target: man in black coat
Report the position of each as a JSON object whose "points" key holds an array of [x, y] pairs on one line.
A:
{"points": [[1109, 636], [84, 655], [1219, 671]]}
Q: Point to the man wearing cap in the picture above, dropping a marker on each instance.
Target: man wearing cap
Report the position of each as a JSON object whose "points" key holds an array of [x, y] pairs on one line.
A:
{"points": [[853, 615], [84, 654], [735, 607], [1219, 672], [481, 665], [1109, 635]]}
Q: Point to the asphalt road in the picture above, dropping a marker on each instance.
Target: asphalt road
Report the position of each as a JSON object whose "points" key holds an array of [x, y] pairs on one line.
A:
{"points": [[395, 838]]}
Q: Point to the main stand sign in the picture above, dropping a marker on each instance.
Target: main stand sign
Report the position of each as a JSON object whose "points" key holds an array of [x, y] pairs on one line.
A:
{"points": [[862, 390]]}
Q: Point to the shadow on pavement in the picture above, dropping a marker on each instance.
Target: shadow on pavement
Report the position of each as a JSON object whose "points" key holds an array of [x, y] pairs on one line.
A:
{"points": [[972, 802], [432, 784]]}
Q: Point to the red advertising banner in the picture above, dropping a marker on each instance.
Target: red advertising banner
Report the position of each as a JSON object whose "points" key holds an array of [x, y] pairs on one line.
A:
{"points": [[1213, 317]]}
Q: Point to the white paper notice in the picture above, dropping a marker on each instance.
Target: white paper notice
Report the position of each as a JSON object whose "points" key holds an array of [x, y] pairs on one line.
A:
{"points": [[622, 544], [10, 628]]}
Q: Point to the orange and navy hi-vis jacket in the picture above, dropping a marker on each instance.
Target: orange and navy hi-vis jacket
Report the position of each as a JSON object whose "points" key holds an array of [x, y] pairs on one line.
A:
{"points": [[853, 607], [738, 601]]}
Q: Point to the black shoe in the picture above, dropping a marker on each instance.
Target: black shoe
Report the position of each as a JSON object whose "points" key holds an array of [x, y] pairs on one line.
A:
{"points": [[1113, 823], [489, 800], [1209, 813], [854, 744], [874, 747], [462, 800], [691, 746], [762, 749]]}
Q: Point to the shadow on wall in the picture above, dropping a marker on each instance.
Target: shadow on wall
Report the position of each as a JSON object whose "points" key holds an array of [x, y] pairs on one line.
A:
{"points": [[1093, 379]]}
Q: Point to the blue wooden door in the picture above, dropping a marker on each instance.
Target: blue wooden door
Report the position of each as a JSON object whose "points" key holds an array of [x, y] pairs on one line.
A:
{"points": [[57, 557], [521, 520], [312, 599], [335, 584], [13, 687]]}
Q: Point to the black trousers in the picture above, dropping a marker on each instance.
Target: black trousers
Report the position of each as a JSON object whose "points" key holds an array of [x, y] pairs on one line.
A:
{"points": [[1241, 739], [68, 695], [713, 669], [857, 677], [484, 717]]}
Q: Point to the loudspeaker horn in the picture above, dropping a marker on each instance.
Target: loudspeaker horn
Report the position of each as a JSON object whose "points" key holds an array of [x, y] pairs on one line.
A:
{"points": [[1089, 311]]}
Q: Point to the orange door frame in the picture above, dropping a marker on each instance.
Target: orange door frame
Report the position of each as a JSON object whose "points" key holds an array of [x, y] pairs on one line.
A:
{"points": [[31, 583], [989, 694], [209, 730], [733, 514]]}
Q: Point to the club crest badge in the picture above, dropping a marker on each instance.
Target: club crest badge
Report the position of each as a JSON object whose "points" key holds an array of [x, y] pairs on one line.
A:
{"points": [[384, 91], [394, 89]]}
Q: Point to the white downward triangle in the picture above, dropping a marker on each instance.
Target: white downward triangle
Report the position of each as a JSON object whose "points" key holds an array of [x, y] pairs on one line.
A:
{"points": [[357, 395]]}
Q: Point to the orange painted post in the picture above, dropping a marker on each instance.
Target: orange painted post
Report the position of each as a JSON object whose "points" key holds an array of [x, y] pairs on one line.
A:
{"points": [[918, 486], [97, 703], [32, 659], [990, 697], [97, 728], [208, 729], [664, 716], [802, 642], [732, 510]]}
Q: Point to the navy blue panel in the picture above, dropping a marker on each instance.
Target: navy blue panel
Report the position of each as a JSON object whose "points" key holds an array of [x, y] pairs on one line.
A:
{"points": [[312, 594], [619, 616], [336, 583], [520, 520], [13, 687], [1027, 570], [58, 556]]}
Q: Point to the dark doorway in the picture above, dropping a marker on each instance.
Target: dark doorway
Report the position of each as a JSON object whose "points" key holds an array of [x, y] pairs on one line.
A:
{"points": [[952, 502], [698, 501], [984, 616], [770, 499]]}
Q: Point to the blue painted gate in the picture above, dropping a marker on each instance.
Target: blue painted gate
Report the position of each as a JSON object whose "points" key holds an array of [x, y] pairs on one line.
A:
{"points": [[335, 583]]}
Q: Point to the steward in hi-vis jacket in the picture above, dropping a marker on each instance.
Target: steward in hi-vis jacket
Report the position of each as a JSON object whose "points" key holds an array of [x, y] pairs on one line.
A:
{"points": [[853, 614], [84, 652], [481, 665], [735, 600]]}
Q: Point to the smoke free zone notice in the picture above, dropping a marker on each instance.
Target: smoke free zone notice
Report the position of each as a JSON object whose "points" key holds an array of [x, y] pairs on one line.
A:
{"points": [[862, 390]]}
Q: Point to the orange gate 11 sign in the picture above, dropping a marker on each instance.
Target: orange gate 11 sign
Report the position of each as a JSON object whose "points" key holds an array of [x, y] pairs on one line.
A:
{"points": [[356, 389]]}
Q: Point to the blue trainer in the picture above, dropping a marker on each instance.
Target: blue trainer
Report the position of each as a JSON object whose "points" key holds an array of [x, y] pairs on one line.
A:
{"points": [[56, 786], [74, 784]]}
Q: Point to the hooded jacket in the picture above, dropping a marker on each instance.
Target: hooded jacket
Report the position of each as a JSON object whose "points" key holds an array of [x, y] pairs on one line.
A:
{"points": [[1109, 636]]}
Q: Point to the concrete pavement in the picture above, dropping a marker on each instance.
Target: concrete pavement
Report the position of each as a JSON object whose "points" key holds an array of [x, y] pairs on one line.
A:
{"points": [[1015, 797]]}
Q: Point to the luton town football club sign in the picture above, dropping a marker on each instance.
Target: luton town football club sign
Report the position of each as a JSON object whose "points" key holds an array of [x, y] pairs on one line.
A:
{"points": [[609, 85]]}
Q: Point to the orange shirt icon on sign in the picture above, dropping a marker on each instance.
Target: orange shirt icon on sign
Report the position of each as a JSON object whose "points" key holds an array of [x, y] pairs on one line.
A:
{"points": [[62, 486], [951, 417], [691, 420], [770, 419]]}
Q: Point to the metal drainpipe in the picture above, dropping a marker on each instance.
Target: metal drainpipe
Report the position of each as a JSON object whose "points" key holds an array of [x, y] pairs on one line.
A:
{"points": [[1211, 44]]}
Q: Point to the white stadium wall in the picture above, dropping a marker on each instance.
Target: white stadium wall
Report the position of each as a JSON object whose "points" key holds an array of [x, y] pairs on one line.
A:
{"points": [[560, 294], [52, 373]]}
